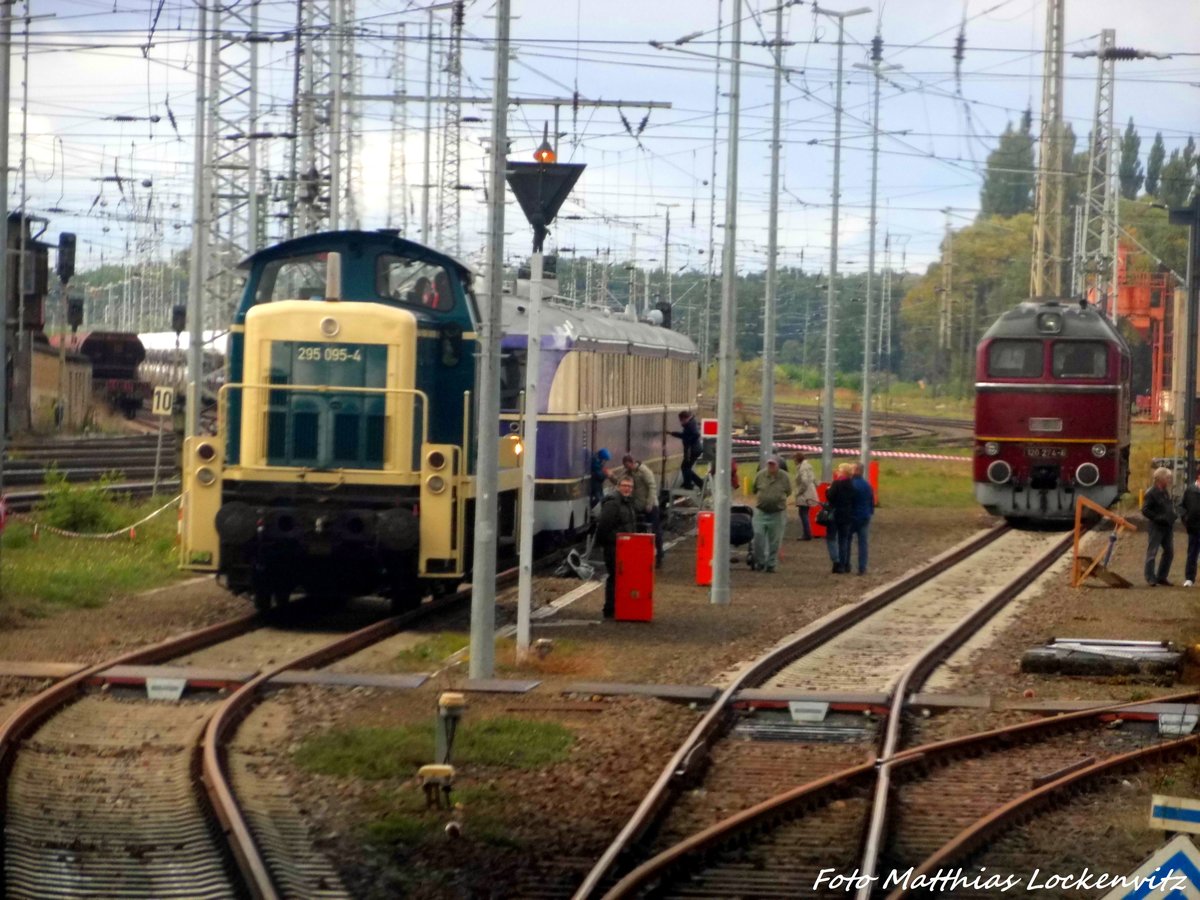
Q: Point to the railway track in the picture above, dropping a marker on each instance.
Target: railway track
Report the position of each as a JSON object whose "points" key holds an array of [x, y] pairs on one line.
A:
{"points": [[725, 781], [106, 793]]}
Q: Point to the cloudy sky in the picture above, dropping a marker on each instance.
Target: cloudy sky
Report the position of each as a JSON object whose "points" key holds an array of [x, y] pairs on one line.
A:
{"points": [[111, 93]]}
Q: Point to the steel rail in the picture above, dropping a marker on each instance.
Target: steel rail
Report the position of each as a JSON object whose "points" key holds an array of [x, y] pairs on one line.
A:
{"points": [[913, 677], [971, 838], [22, 723], [692, 753], [784, 805], [251, 863]]}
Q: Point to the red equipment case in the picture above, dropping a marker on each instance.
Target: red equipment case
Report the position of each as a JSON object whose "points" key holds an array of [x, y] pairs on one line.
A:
{"points": [[635, 578]]}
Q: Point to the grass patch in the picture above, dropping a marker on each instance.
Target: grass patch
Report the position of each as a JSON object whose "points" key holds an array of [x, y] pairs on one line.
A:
{"points": [[376, 753], [405, 819], [431, 652], [43, 576], [567, 657]]}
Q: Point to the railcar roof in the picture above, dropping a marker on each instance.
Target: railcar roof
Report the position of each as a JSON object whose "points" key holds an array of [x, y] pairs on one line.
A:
{"points": [[589, 326], [1077, 323], [328, 241]]}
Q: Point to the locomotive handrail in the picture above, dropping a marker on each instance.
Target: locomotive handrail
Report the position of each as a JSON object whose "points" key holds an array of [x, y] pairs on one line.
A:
{"points": [[223, 406]]}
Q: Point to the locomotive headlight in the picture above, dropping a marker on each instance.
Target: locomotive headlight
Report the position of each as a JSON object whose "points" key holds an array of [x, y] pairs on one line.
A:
{"points": [[1099, 451], [206, 476], [205, 452], [330, 326], [436, 459], [436, 484], [991, 448]]}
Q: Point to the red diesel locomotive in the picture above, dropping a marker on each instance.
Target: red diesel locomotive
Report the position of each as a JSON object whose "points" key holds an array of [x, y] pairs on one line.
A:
{"points": [[1052, 405]]}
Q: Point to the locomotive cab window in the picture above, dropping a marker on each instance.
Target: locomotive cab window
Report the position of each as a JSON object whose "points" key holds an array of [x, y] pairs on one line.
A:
{"points": [[512, 379], [414, 282], [297, 278], [1080, 359], [1014, 359]]}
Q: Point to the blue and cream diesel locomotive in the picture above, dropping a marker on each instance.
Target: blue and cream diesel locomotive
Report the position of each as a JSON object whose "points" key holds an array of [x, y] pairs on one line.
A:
{"points": [[344, 461]]}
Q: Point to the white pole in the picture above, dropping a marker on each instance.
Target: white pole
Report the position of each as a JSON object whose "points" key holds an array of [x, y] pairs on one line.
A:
{"points": [[199, 252], [5, 48], [865, 445], [831, 314], [427, 174], [529, 458], [483, 572], [767, 429], [727, 355]]}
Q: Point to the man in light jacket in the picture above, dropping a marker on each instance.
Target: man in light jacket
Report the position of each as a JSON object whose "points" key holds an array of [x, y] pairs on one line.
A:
{"points": [[806, 494], [772, 487], [645, 497]]}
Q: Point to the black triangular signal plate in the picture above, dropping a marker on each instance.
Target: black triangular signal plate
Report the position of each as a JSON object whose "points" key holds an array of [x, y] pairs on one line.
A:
{"points": [[542, 188]]}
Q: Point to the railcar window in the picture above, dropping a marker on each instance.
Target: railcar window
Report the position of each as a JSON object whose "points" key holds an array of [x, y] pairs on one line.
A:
{"points": [[297, 278], [1014, 359], [414, 282], [512, 379], [1080, 359]]}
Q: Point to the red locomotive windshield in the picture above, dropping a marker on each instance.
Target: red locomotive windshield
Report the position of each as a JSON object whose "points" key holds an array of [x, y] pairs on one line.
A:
{"points": [[1046, 391]]}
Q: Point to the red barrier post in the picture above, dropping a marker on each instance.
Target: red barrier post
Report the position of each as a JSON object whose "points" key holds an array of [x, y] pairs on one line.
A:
{"points": [[704, 548], [873, 479], [634, 595], [818, 531]]}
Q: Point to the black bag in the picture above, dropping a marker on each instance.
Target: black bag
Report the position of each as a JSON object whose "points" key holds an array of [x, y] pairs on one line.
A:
{"points": [[825, 516], [741, 529]]}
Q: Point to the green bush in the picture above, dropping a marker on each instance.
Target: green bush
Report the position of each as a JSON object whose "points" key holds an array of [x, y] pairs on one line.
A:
{"points": [[89, 508]]}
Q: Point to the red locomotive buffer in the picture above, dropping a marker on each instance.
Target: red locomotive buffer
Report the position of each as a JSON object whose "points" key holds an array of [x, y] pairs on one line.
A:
{"points": [[635, 578], [1052, 401]]}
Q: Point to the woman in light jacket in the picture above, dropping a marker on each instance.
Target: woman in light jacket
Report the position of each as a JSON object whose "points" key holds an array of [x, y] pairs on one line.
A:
{"points": [[806, 493]]}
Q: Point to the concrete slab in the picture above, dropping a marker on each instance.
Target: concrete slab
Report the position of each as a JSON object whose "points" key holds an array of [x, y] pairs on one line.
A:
{"points": [[683, 692], [1054, 660], [350, 679], [834, 698], [195, 676], [35, 669], [498, 686]]}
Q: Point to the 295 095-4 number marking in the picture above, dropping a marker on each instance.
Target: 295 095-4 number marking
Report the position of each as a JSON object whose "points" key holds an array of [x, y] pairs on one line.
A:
{"points": [[328, 353]]}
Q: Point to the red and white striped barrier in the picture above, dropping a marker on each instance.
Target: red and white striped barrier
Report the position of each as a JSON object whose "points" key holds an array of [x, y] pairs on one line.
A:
{"points": [[839, 451]]}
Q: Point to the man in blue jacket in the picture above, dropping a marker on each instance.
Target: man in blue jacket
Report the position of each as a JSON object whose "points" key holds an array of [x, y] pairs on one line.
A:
{"points": [[864, 508]]}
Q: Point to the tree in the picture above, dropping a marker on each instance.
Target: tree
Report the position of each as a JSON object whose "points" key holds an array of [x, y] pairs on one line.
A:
{"points": [[1008, 182], [1178, 177], [1129, 172], [1154, 164]]}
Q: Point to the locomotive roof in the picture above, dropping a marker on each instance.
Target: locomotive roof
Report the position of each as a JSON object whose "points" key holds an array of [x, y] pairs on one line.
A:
{"points": [[1077, 323], [328, 241], [580, 327]]}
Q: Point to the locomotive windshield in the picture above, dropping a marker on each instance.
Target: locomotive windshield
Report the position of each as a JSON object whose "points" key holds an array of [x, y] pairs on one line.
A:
{"points": [[294, 278], [1014, 359], [1080, 359], [415, 282]]}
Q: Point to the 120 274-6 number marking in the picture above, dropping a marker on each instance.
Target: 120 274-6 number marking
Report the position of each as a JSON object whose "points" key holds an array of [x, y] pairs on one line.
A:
{"points": [[328, 354]]}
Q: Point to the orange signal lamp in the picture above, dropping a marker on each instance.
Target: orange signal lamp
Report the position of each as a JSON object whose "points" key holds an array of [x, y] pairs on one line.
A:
{"points": [[545, 153]]}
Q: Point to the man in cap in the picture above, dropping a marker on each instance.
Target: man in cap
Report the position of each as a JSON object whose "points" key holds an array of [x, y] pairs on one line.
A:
{"points": [[772, 487]]}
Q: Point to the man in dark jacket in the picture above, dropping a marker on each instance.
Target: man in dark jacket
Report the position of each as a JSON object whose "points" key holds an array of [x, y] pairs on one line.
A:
{"points": [[617, 516], [1191, 521], [864, 508], [693, 449], [840, 498], [1160, 516]]}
